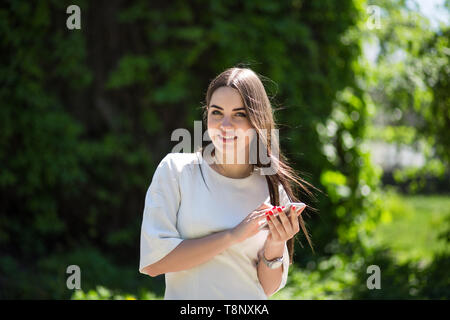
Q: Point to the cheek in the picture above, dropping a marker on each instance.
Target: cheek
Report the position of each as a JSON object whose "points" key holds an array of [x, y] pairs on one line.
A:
{"points": [[247, 138], [250, 138], [213, 130], [247, 126], [212, 122]]}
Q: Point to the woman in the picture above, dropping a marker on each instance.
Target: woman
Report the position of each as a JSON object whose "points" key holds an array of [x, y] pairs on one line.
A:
{"points": [[202, 225]]}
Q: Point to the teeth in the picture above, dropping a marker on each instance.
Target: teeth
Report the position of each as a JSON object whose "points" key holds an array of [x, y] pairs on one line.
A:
{"points": [[230, 137]]}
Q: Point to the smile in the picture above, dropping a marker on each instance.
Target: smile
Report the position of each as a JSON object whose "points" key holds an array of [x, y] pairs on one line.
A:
{"points": [[227, 138]]}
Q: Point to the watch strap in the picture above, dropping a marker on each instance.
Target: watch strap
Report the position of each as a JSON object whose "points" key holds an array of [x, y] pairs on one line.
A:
{"points": [[274, 263]]}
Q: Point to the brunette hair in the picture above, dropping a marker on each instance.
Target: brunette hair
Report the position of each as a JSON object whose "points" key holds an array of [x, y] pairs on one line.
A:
{"points": [[261, 117]]}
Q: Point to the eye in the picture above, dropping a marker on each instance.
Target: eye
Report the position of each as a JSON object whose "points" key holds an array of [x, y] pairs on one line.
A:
{"points": [[241, 114], [218, 112]]}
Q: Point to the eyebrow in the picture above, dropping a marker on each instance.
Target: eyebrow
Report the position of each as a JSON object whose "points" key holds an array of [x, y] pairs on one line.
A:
{"points": [[236, 109]]}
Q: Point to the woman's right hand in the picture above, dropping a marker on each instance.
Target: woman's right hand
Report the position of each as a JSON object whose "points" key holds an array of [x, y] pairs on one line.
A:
{"points": [[250, 225]]}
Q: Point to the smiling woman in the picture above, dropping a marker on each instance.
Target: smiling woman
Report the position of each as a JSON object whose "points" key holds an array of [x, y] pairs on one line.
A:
{"points": [[202, 215]]}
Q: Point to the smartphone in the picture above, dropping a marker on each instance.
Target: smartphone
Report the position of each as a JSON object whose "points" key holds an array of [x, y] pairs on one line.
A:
{"points": [[287, 210]]}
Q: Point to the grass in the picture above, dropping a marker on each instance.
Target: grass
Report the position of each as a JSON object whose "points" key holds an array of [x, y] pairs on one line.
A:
{"points": [[413, 228]]}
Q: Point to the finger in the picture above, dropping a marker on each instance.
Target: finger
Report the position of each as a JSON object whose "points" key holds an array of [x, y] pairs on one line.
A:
{"points": [[273, 230], [258, 215], [277, 224], [263, 206], [294, 220], [267, 209], [285, 222], [253, 215], [260, 222]]}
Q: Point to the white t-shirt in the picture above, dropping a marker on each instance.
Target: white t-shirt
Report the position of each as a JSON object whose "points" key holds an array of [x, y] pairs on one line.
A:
{"points": [[178, 206]]}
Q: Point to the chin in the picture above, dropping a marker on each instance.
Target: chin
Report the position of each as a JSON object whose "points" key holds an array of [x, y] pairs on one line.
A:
{"points": [[231, 150]]}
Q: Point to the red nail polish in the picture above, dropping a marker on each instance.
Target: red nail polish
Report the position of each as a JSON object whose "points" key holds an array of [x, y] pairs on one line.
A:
{"points": [[271, 213], [279, 209], [268, 218], [282, 207]]}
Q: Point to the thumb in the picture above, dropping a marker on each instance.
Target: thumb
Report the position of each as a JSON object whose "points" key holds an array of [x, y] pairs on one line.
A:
{"points": [[263, 206]]}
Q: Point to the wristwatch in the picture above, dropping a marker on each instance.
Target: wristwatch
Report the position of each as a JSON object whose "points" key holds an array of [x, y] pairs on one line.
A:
{"points": [[272, 264]]}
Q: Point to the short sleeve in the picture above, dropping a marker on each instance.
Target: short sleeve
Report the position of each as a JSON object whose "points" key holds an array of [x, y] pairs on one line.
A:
{"points": [[159, 234]]}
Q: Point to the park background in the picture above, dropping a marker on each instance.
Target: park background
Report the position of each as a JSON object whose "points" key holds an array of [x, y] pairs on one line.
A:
{"points": [[361, 92]]}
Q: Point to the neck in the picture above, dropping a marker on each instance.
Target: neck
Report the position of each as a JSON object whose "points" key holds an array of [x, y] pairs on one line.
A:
{"points": [[233, 169]]}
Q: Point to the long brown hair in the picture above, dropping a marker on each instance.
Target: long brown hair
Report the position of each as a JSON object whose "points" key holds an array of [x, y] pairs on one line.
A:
{"points": [[261, 117]]}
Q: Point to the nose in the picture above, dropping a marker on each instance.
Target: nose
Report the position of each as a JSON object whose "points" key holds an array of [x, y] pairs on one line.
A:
{"points": [[226, 124]]}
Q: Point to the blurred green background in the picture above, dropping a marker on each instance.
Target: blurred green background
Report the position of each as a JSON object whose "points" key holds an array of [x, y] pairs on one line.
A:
{"points": [[361, 90]]}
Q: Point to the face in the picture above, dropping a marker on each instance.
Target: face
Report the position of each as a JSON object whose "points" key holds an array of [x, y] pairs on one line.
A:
{"points": [[228, 124]]}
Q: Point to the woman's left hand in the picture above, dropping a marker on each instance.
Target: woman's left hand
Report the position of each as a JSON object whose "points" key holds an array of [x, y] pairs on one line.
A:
{"points": [[282, 228]]}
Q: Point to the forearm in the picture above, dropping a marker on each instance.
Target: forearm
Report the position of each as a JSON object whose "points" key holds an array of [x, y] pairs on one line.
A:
{"points": [[270, 279], [192, 252]]}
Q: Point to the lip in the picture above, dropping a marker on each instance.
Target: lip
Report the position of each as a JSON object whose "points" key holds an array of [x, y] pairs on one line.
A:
{"points": [[227, 140]]}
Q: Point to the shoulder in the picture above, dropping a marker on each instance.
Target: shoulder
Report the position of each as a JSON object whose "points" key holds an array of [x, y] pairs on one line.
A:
{"points": [[177, 162], [171, 167]]}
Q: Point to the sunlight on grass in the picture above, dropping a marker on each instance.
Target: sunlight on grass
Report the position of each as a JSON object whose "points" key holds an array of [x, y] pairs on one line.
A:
{"points": [[413, 230]]}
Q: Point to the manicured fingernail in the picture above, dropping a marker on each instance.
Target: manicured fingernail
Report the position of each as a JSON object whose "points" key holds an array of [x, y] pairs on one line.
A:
{"points": [[282, 207], [279, 209], [293, 207], [268, 218], [271, 213]]}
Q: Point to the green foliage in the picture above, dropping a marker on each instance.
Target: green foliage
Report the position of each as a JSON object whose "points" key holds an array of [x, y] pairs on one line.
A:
{"points": [[410, 247], [342, 278], [46, 279], [102, 293], [409, 84], [131, 70], [327, 279]]}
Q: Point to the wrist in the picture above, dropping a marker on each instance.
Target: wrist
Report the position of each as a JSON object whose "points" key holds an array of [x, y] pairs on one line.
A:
{"points": [[274, 244], [273, 250]]}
